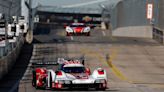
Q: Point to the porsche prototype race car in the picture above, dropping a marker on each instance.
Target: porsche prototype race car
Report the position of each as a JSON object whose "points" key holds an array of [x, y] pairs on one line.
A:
{"points": [[70, 74], [77, 29], [39, 77]]}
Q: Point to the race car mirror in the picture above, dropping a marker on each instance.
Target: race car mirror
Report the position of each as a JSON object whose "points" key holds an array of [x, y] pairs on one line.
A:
{"points": [[88, 71]]}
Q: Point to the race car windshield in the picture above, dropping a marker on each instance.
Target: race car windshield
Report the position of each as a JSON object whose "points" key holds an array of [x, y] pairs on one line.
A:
{"points": [[74, 69], [77, 25]]}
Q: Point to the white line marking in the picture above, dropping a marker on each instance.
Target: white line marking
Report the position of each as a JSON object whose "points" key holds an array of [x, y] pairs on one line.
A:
{"points": [[103, 32]]}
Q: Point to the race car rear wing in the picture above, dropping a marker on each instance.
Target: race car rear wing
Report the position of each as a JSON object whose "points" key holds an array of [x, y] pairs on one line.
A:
{"points": [[80, 59], [42, 62], [45, 63]]}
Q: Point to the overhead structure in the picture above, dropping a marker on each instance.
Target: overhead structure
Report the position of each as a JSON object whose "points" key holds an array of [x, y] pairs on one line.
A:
{"points": [[74, 6]]}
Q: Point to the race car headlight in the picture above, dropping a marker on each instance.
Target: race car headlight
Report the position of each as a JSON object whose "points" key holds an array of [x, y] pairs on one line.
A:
{"points": [[100, 81], [87, 29]]}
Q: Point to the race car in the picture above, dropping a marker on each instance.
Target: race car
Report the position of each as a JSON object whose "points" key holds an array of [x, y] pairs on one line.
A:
{"points": [[70, 74], [77, 29], [39, 78]]}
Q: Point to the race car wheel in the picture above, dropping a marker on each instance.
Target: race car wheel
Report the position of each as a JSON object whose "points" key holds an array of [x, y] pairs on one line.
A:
{"points": [[34, 79], [44, 86], [50, 81], [36, 87], [100, 87], [68, 34], [88, 34]]}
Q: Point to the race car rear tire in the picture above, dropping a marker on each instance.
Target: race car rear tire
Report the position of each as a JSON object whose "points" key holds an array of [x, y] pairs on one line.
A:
{"points": [[50, 80]]}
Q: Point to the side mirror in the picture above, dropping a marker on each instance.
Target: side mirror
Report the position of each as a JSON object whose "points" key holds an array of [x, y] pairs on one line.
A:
{"points": [[88, 71]]}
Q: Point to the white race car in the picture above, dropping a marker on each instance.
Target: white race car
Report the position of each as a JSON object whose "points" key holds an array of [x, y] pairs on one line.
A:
{"points": [[70, 74], [78, 28]]}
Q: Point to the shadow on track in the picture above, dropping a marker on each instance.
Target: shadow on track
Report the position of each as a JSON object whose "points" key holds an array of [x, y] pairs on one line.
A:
{"points": [[10, 82]]}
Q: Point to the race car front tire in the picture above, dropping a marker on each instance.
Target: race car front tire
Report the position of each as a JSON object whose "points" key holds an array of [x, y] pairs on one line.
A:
{"points": [[68, 34], [50, 80], [101, 87]]}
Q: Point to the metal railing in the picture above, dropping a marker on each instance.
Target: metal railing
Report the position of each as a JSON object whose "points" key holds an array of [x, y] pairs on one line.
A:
{"points": [[158, 35], [4, 51]]}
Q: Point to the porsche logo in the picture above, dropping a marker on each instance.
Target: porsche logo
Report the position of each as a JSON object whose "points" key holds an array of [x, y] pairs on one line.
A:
{"points": [[87, 18]]}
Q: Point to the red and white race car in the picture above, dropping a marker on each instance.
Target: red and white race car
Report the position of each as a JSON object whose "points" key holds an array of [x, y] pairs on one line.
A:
{"points": [[78, 28], [39, 77], [70, 74]]}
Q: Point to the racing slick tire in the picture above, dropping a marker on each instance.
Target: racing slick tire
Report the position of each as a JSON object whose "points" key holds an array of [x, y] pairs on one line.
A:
{"points": [[68, 34], [101, 88], [88, 34], [50, 80], [45, 84]]}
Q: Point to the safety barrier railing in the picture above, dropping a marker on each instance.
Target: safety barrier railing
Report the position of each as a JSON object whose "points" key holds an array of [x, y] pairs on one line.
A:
{"points": [[9, 46], [158, 35]]}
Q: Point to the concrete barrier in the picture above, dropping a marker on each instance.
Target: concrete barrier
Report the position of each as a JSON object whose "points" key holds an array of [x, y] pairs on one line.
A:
{"points": [[7, 62], [133, 31]]}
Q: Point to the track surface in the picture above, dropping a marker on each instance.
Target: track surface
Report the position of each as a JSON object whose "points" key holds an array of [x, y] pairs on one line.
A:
{"points": [[135, 65]]}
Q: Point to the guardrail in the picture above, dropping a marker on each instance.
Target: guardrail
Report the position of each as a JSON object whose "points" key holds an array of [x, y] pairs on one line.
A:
{"points": [[9, 54], [9, 47], [158, 35]]}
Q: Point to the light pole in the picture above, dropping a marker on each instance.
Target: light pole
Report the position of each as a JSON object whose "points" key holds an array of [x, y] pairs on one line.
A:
{"points": [[29, 35], [105, 16], [28, 4]]}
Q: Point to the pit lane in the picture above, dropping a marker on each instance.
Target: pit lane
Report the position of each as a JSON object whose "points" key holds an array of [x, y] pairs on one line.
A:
{"points": [[132, 68]]}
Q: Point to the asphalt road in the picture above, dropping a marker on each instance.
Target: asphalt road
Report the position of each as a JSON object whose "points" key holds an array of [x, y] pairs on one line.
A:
{"points": [[132, 64]]}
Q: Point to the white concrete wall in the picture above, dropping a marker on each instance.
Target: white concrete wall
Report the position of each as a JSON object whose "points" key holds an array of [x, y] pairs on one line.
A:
{"points": [[133, 31]]}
